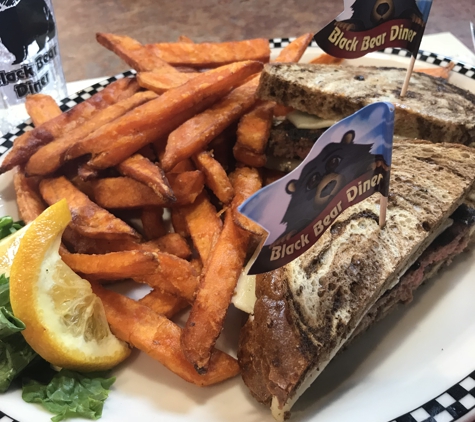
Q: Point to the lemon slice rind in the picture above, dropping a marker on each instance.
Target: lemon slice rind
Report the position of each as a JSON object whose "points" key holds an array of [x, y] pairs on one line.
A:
{"points": [[65, 321]]}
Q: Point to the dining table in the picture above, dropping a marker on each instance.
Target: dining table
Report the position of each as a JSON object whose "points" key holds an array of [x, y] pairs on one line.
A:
{"points": [[88, 66]]}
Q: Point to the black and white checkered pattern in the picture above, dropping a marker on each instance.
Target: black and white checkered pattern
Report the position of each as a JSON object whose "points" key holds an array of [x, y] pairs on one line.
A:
{"points": [[455, 403], [6, 141], [424, 56], [436, 59], [5, 418], [450, 406]]}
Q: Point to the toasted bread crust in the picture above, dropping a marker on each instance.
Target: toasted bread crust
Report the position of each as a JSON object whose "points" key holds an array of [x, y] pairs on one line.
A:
{"points": [[288, 355], [433, 109]]}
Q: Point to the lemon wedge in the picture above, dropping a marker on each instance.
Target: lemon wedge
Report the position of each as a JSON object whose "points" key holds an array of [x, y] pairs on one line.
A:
{"points": [[65, 321], [8, 248]]}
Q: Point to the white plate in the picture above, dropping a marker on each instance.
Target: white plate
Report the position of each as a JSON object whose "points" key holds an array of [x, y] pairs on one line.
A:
{"points": [[422, 352]]}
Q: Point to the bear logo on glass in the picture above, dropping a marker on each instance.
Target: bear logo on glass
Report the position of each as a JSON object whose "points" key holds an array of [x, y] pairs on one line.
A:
{"points": [[23, 22]]}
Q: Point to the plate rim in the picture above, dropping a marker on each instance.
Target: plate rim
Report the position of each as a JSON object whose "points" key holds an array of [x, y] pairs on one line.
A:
{"points": [[433, 407]]}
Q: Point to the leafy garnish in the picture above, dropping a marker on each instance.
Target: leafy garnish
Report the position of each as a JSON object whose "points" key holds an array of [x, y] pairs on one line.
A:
{"points": [[15, 353], [4, 290], [8, 323], [8, 226], [70, 395]]}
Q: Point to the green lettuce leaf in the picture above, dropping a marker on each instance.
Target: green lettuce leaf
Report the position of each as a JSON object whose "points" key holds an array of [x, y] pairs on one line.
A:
{"points": [[8, 323], [4, 290], [8, 226], [70, 394], [15, 355]]}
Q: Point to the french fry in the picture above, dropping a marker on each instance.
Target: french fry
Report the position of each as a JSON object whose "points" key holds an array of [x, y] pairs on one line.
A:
{"points": [[172, 243], [136, 55], [126, 193], [86, 172], [163, 82], [184, 38], [143, 170], [179, 223], [252, 135], [243, 155], [152, 222], [325, 58], [113, 265], [157, 336], [254, 127], [173, 275], [51, 156], [203, 224], [114, 142], [28, 143], [182, 166], [246, 182], [85, 186], [78, 243], [215, 176], [210, 55], [197, 264], [186, 69], [281, 110], [30, 204], [195, 134], [164, 303], [41, 108], [88, 218], [86, 245], [217, 285], [186, 186], [440, 72], [294, 51]]}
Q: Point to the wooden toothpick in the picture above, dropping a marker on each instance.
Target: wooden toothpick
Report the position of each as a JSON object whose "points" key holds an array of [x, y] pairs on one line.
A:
{"points": [[410, 68], [383, 205]]}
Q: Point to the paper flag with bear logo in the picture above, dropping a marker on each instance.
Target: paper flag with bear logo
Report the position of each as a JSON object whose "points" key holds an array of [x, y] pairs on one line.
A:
{"points": [[372, 25], [347, 164]]}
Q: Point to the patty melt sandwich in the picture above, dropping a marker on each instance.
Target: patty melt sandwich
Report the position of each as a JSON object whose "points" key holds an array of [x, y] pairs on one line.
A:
{"points": [[356, 273], [432, 109]]}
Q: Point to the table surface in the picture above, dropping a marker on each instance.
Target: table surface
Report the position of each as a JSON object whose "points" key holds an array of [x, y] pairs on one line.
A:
{"points": [[208, 20]]}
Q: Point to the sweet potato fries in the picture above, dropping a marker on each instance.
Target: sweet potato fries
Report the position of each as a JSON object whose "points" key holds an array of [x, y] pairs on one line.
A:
{"points": [[153, 168]]}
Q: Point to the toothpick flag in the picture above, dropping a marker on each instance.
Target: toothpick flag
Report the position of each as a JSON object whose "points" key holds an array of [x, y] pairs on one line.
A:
{"points": [[347, 164], [372, 25]]}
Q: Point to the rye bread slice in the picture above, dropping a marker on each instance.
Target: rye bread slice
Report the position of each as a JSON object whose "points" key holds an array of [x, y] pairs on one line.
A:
{"points": [[306, 310], [433, 109]]}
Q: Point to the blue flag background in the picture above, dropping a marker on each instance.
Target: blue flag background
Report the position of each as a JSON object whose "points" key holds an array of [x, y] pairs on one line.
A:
{"points": [[352, 151]]}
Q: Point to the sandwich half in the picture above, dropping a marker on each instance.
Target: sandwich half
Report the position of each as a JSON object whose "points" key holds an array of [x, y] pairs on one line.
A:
{"points": [[356, 273], [433, 109]]}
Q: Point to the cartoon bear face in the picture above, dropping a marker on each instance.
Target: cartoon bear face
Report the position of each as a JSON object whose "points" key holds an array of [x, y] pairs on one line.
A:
{"points": [[383, 10], [323, 177], [368, 14]]}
